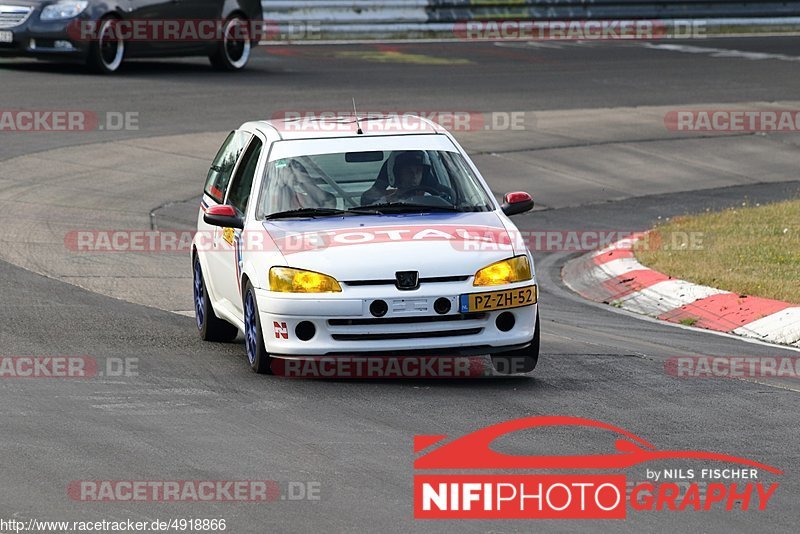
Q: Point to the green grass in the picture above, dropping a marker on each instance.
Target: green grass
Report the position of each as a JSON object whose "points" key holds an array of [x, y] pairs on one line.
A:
{"points": [[750, 250]]}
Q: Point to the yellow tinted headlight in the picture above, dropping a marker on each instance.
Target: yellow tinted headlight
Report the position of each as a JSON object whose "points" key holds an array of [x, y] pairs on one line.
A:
{"points": [[508, 271], [289, 280]]}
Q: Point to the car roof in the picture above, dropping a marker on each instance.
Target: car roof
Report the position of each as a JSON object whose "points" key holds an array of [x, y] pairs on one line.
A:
{"points": [[322, 126]]}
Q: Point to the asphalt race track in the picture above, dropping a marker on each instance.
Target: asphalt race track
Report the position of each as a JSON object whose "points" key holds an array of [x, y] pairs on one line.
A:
{"points": [[594, 154]]}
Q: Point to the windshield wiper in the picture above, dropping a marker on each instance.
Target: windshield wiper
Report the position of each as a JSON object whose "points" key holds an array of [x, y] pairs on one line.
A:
{"points": [[372, 209], [322, 212], [306, 212], [399, 207]]}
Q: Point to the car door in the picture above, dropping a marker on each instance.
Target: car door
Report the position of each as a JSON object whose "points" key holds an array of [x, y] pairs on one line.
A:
{"points": [[229, 244], [204, 18], [149, 10], [217, 182]]}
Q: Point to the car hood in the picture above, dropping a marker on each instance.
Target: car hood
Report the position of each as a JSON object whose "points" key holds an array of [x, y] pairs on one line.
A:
{"points": [[375, 247]]}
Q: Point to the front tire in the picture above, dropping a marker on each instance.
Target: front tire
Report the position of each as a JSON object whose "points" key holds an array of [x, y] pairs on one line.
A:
{"points": [[521, 360], [107, 52], [260, 361], [233, 52], [210, 327]]}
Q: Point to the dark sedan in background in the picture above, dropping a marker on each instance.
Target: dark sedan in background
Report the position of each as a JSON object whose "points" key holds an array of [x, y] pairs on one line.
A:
{"points": [[104, 33]]}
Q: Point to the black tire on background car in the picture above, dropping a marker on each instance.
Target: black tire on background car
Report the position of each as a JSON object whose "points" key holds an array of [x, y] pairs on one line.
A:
{"points": [[260, 361], [233, 50], [106, 52], [210, 327], [519, 361]]}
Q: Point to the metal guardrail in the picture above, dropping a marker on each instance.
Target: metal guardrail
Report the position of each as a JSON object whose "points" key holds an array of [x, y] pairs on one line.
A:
{"points": [[398, 19], [454, 10]]}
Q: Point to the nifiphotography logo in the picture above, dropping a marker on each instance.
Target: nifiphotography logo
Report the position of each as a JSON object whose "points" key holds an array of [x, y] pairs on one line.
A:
{"points": [[465, 478]]}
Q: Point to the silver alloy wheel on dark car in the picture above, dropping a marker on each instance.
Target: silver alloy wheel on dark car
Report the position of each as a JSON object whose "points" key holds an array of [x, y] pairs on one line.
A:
{"points": [[233, 51], [108, 51]]}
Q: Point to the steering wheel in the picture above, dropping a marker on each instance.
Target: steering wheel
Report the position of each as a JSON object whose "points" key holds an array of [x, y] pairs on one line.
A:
{"points": [[441, 191]]}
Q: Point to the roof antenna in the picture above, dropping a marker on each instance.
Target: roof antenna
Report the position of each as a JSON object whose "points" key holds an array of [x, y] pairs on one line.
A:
{"points": [[355, 112]]}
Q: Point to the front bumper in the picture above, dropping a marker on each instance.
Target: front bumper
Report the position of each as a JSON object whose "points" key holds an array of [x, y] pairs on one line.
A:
{"points": [[344, 325], [44, 40]]}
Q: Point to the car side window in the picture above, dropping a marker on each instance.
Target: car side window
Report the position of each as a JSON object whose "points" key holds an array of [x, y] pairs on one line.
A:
{"points": [[243, 180], [219, 175]]}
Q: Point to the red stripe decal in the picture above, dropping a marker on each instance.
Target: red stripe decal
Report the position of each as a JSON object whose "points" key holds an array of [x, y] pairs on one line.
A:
{"points": [[725, 312]]}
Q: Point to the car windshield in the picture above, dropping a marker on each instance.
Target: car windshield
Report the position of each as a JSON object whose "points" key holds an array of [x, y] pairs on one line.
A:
{"points": [[371, 182]]}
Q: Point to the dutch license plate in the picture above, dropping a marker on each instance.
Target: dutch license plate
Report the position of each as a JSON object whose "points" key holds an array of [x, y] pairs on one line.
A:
{"points": [[6, 37], [498, 300]]}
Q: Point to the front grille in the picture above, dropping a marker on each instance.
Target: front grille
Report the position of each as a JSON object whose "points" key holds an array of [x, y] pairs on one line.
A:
{"points": [[407, 320], [429, 280], [405, 335], [11, 16]]}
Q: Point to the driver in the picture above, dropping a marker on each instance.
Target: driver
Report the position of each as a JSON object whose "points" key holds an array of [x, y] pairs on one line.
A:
{"points": [[409, 170]]}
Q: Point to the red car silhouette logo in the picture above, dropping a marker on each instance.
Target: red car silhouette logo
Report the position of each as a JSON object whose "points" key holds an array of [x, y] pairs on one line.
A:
{"points": [[473, 451]]}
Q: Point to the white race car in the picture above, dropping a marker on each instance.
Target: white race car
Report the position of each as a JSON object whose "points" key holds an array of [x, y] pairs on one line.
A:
{"points": [[369, 238]]}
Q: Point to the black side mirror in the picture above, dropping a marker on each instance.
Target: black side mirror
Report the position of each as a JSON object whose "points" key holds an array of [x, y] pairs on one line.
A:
{"points": [[224, 216], [517, 202]]}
